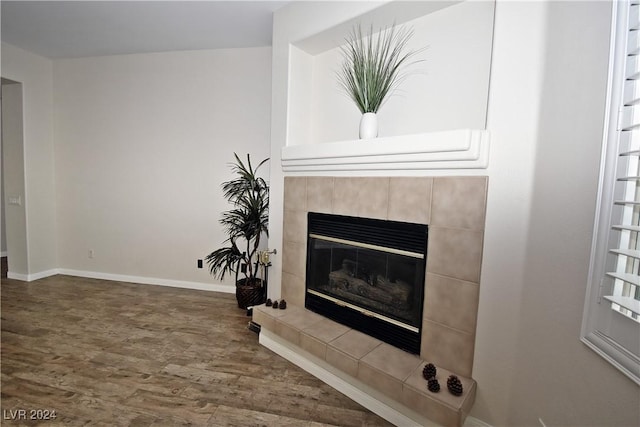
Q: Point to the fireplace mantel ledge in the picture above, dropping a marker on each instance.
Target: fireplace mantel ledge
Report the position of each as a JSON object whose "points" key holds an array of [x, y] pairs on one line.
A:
{"points": [[453, 149]]}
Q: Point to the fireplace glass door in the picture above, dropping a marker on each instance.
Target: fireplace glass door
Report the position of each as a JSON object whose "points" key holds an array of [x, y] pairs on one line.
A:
{"points": [[368, 274]]}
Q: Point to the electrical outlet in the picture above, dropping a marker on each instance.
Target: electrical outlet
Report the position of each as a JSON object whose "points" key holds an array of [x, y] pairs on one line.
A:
{"points": [[199, 263], [90, 253]]}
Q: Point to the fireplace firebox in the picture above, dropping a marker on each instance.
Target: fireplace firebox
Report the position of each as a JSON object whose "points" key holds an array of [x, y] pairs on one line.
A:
{"points": [[368, 274]]}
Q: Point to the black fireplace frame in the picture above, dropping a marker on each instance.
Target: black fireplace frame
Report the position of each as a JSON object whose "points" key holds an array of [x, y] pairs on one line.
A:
{"points": [[394, 234]]}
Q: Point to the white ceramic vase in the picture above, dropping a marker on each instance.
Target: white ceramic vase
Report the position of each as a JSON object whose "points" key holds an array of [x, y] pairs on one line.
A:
{"points": [[369, 126]]}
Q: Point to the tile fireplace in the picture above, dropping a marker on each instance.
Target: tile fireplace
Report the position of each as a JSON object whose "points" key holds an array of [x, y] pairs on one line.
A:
{"points": [[449, 212], [453, 207]]}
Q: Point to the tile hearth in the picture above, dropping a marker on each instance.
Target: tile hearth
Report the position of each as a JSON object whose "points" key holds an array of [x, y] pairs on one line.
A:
{"points": [[361, 358]]}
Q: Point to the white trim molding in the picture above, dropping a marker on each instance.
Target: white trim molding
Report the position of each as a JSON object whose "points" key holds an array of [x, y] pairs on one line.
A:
{"points": [[17, 276], [212, 287], [31, 277], [455, 149], [610, 325]]}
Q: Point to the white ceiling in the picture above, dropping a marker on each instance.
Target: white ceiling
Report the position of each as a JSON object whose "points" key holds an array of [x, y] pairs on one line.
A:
{"points": [[72, 29]]}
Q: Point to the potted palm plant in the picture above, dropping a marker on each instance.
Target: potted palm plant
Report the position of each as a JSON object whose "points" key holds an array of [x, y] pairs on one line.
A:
{"points": [[372, 68], [245, 225]]}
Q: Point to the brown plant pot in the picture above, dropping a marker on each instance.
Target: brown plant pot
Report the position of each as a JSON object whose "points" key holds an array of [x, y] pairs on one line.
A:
{"points": [[249, 293]]}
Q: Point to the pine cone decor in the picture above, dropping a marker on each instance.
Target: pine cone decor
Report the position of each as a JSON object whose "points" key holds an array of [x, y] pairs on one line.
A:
{"points": [[275, 304], [454, 385], [433, 385], [269, 303], [283, 305], [429, 371]]}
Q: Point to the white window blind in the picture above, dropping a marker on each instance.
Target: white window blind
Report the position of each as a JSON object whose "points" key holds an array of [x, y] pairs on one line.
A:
{"points": [[611, 322]]}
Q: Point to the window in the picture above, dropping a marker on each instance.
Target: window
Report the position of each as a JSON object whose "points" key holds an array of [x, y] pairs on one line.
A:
{"points": [[611, 322]]}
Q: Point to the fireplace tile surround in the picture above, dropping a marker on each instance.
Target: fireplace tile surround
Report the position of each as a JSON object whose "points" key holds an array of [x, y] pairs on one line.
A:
{"points": [[454, 208]]}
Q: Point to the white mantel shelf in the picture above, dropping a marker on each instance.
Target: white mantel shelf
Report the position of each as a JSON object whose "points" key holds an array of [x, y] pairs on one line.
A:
{"points": [[455, 149]]}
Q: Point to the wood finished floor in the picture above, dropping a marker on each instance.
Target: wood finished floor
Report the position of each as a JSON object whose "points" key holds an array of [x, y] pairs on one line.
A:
{"points": [[111, 353]]}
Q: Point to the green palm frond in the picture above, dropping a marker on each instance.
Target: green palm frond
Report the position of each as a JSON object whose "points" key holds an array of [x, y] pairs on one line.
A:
{"points": [[247, 180], [224, 260]]}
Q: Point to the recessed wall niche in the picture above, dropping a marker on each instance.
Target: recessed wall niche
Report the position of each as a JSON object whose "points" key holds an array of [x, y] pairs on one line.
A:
{"points": [[448, 90]]}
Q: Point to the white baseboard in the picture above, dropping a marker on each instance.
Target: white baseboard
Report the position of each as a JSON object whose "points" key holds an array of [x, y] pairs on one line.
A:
{"points": [[31, 277], [42, 275], [213, 287], [17, 276], [474, 422]]}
